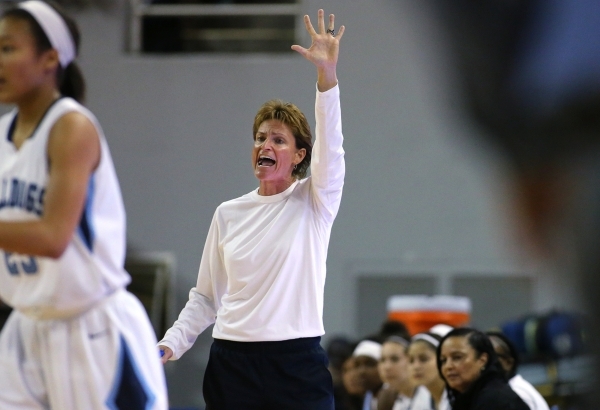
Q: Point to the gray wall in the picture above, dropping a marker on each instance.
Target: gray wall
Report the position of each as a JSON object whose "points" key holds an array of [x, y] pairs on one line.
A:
{"points": [[421, 195]]}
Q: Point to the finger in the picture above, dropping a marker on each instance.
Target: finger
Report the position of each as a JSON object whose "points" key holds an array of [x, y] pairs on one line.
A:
{"points": [[301, 50], [309, 26], [340, 32], [331, 25], [167, 356], [321, 21]]}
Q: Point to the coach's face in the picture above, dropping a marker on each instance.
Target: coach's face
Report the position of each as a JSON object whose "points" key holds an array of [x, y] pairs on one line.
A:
{"points": [[275, 153]]}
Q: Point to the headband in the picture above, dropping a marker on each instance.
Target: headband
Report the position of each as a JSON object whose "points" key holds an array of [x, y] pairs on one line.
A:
{"points": [[55, 28], [440, 330], [398, 340], [368, 348], [429, 339]]}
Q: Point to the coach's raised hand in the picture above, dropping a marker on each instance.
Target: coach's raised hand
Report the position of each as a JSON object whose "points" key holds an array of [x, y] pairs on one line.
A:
{"points": [[323, 51]]}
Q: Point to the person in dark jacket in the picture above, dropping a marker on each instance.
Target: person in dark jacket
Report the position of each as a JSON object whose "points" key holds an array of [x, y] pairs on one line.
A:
{"points": [[474, 378], [508, 356]]}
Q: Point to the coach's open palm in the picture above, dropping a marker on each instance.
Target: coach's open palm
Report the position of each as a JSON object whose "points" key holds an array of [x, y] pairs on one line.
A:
{"points": [[324, 50]]}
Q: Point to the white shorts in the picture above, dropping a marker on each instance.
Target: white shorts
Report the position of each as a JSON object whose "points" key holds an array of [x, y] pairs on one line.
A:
{"points": [[105, 358]]}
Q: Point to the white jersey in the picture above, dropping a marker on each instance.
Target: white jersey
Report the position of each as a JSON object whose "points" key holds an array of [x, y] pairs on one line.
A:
{"points": [[103, 359], [422, 400], [91, 267], [528, 393]]}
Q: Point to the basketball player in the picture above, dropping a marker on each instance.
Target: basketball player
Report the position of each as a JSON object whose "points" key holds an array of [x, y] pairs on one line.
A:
{"points": [[76, 340]]}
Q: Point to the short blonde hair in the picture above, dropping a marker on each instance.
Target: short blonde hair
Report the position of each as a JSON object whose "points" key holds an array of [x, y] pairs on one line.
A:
{"points": [[291, 116]]}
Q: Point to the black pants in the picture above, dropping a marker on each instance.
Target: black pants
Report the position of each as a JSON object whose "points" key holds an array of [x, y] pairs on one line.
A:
{"points": [[286, 375]]}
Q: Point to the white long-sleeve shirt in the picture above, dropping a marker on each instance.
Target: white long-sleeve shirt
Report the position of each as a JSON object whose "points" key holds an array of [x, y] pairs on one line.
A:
{"points": [[262, 273]]}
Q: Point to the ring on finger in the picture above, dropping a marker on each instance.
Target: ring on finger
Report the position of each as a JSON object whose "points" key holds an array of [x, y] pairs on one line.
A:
{"points": [[331, 31]]}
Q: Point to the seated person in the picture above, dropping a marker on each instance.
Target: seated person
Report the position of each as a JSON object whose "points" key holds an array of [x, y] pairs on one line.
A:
{"points": [[509, 360]]}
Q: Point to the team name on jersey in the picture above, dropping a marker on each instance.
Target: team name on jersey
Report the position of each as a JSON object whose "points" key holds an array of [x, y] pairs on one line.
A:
{"points": [[16, 193]]}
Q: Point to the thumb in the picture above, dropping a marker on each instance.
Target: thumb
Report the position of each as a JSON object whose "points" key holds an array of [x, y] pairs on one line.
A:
{"points": [[301, 50]]}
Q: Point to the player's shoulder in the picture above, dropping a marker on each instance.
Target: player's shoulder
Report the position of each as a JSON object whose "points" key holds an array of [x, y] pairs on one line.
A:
{"points": [[68, 110], [73, 132], [69, 115]]}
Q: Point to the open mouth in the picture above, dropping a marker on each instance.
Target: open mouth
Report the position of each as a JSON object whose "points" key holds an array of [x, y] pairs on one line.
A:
{"points": [[264, 161]]}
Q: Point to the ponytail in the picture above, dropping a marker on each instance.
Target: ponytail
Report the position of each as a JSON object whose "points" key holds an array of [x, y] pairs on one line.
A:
{"points": [[71, 82]]}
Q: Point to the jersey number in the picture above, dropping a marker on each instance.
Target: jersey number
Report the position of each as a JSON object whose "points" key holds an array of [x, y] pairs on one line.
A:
{"points": [[20, 264]]}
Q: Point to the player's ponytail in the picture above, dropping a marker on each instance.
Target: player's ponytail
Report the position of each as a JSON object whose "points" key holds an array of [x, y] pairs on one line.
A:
{"points": [[70, 79], [72, 83]]}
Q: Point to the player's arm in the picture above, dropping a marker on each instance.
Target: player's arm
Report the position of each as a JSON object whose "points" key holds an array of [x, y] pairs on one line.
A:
{"points": [[73, 153]]}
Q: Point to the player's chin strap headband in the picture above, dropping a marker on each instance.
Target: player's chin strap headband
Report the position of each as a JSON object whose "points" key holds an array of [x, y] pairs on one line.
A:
{"points": [[54, 27]]}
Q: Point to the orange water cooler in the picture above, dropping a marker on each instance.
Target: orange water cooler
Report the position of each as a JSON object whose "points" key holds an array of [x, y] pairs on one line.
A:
{"points": [[420, 312]]}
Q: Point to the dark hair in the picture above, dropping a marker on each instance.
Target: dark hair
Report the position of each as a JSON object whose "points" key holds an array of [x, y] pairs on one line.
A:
{"points": [[478, 340], [291, 116], [339, 348], [69, 79], [509, 348], [394, 328], [481, 343]]}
